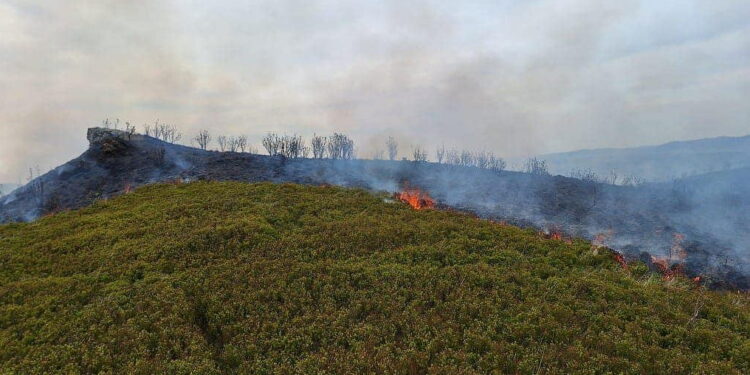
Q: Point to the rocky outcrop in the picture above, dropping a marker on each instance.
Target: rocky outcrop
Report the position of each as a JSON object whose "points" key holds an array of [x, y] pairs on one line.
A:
{"points": [[108, 141], [98, 135]]}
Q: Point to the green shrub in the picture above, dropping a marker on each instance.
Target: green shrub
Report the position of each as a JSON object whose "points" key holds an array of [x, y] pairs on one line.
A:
{"points": [[239, 278]]}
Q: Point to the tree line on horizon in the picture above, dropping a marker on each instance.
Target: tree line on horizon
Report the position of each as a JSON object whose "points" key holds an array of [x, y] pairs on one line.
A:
{"points": [[341, 147]]}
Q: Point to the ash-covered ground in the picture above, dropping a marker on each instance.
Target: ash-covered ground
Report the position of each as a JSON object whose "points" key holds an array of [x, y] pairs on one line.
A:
{"points": [[703, 218]]}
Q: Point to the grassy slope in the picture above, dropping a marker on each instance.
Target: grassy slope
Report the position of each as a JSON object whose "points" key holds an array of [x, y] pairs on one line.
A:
{"points": [[224, 277]]}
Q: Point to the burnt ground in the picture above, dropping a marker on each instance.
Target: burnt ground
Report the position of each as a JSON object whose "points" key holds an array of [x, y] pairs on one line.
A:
{"points": [[706, 221]]}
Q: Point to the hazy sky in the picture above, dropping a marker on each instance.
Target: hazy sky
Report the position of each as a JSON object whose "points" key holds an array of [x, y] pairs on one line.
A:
{"points": [[514, 77]]}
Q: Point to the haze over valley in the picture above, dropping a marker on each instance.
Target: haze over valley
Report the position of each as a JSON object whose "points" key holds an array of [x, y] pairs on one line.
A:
{"points": [[385, 187]]}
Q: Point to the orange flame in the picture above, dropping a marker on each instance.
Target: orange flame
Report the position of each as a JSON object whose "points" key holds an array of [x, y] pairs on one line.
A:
{"points": [[669, 271], [416, 198], [661, 264], [674, 271], [621, 260], [555, 232]]}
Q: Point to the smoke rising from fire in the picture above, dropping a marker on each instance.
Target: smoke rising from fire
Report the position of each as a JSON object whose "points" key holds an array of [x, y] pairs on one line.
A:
{"points": [[513, 77]]}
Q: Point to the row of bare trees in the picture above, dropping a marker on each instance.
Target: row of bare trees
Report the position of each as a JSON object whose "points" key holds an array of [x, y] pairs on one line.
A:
{"points": [[612, 178], [290, 146], [233, 144], [536, 166], [203, 139], [481, 159], [339, 146], [336, 146], [225, 143], [164, 132]]}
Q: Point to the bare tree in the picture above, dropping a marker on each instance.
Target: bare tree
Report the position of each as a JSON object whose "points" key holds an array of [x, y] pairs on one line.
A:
{"points": [[298, 146], [481, 159], [203, 139], [242, 143], [287, 146], [452, 157], [223, 142], [150, 130], [440, 154], [111, 124], [170, 134], [271, 143], [129, 130], [419, 154], [347, 148], [584, 175], [613, 177], [164, 132], [392, 146], [164, 129], [536, 166], [333, 148], [340, 147], [154, 130], [319, 145], [232, 144], [495, 163], [291, 146], [466, 159]]}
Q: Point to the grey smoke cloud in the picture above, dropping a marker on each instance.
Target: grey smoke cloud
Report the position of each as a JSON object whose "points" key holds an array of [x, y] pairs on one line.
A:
{"points": [[514, 77]]}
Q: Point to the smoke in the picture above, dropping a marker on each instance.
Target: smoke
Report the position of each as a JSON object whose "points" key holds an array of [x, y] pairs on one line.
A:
{"points": [[513, 77], [709, 212]]}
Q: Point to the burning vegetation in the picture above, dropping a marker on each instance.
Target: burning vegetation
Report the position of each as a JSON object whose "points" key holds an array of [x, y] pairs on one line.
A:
{"points": [[669, 267], [416, 198], [555, 232], [432, 290], [673, 264]]}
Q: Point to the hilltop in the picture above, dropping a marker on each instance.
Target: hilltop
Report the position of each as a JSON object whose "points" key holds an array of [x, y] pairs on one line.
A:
{"points": [[215, 277]]}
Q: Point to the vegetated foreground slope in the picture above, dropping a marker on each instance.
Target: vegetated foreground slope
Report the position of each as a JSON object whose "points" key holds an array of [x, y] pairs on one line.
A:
{"points": [[215, 277]]}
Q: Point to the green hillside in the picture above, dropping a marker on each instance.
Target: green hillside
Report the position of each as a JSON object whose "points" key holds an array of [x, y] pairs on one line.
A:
{"points": [[235, 278]]}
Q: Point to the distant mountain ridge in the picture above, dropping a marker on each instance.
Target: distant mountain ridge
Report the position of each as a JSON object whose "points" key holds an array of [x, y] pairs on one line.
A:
{"points": [[658, 163]]}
